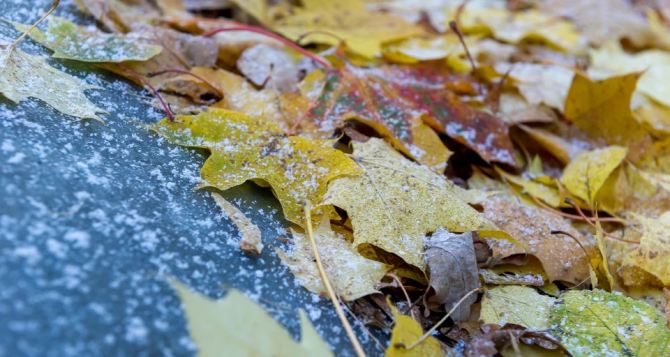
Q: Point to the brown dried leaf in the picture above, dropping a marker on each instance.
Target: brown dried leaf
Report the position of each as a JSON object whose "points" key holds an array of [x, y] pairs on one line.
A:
{"points": [[452, 267], [562, 258]]}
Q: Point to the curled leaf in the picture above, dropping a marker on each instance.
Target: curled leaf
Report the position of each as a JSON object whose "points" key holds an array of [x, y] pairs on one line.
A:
{"points": [[586, 174], [452, 267]]}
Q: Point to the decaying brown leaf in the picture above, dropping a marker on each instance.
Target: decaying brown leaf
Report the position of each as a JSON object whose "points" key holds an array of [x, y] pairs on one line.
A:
{"points": [[452, 267], [562, 257]]}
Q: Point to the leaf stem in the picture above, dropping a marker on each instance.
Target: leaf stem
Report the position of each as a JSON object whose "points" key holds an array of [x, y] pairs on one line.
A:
{"points": [[442, 320], [316, 58], [152, 89], [454, 27], [329, 288], [188, 73]]}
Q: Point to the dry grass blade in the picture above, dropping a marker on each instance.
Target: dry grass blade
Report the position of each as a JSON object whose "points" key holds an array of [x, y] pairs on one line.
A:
{"points": [[18, 40], [331, 293]]}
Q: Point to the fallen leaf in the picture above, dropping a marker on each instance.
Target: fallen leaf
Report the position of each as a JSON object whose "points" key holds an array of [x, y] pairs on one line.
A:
{"points": [[353, 94], [562, 258], [23, 76], [124, 15], [602, 108], [601, 20], [271, 67], [452, 267], [599, 323], [396, 202], [70, 41], [586, 174], [250, 241], [518, 305], [540, 83], [233, 325], [251, 148], [351, 275], [362, 31], [180, 52], [652, 254], [514, 109], [654, 66], [399, 100], [406, 331], [515, 27]]}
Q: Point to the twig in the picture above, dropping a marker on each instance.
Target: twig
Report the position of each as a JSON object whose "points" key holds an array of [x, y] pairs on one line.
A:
{"points": [[316, 58], [409, 302], [442, 320], [329, 288], [454, 27], [592, 224], [575, 239], [18, 40]]}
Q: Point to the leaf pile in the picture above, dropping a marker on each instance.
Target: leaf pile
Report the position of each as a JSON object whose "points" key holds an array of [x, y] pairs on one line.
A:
{"points": [[499, 170]]}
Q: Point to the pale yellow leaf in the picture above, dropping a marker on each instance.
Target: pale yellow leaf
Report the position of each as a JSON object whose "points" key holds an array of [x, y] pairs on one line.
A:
{"points": [[586, 174], [23, 76], [351, 275], [236, 326], [519, 305]]}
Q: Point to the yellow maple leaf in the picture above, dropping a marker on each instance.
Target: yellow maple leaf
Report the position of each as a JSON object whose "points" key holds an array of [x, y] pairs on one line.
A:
{"points": [[351, 275], [587, 173], [252, 148], [396, 202], [602, 108], [231, 326], [328, 21]]}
